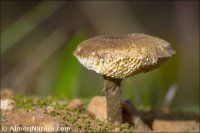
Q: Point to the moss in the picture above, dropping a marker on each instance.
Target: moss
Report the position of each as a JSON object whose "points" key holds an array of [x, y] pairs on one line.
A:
{"points": [[33, 102], [24, 102], [83, 122], [79, 120]]}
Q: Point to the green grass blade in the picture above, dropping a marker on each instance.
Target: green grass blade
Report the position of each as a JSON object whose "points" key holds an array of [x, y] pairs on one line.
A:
{"points": [[27, 23], [69, 69]]}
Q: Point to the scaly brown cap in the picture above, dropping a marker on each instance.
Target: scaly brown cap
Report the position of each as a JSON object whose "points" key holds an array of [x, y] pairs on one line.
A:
{"points": [[123, 56]]}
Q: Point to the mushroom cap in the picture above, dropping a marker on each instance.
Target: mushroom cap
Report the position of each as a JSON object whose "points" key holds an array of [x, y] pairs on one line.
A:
{"points": [[123, 56]]}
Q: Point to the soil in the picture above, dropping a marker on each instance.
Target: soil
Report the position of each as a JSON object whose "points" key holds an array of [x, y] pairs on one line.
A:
{"points": [[51, 112]]}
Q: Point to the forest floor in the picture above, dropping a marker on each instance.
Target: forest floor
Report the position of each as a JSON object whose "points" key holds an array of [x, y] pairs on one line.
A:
{"points": [[36, 114]]}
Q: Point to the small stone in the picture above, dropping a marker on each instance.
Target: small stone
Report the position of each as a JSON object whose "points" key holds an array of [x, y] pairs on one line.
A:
{"points": [[6, 93], [8, 104], [75, 104], [117, 129], [175, 126], [97, 107], [49, 125], [139, 125], [49, 109]]}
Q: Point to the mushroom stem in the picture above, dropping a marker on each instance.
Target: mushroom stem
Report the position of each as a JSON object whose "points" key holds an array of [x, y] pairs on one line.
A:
{"points": [[113, 98]]}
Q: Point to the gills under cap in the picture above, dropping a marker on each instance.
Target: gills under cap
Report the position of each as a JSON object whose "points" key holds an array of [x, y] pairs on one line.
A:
{"points": [[123, 56]]}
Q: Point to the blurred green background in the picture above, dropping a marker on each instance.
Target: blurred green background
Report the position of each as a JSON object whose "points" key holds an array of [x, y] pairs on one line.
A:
{"points": [[38, 38]]}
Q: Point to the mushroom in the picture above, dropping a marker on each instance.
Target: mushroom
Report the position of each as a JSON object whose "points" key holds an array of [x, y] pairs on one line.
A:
{"points": [[119, 57]]}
